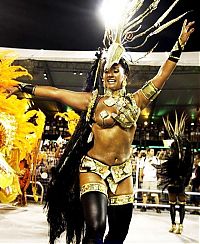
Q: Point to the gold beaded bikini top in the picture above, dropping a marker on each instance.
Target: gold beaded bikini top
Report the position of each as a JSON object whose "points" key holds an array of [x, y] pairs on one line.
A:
{"points": [[120, 109]]}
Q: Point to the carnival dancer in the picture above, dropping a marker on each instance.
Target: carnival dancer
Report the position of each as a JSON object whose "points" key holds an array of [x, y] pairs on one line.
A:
{"points": [[94, 177], [176, 171]]}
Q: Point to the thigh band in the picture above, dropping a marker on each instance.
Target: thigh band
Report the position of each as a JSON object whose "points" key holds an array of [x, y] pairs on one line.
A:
{"points": [[93, 187], [178, 202], [121, 199], [181, 203], [114, 200], [174, 203]]}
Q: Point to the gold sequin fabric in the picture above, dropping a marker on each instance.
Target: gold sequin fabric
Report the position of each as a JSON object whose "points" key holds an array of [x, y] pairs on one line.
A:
{"points": [[93, 187], [121, 199], [113, 174]]}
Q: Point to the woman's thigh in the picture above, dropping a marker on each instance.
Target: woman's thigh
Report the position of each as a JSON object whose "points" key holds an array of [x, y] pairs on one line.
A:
{"points": [[125, 187], [90, 178]]}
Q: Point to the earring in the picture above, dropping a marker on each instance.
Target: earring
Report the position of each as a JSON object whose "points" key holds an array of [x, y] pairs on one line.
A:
{"points": [[124, 84], [104, 87]]}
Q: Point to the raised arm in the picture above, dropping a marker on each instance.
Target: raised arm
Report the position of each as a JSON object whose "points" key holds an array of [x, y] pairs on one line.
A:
{"points": [[168, 67], [77, 100], [152, 88]]}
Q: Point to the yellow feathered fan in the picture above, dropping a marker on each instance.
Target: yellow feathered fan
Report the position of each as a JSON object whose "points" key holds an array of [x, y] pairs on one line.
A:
{"points": [[19, 136], [71, 117], [9, 73]]}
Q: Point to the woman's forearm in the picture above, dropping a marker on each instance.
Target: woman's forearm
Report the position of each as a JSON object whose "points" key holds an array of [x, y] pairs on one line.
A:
{"points": [[168, 67], [77, 100]]}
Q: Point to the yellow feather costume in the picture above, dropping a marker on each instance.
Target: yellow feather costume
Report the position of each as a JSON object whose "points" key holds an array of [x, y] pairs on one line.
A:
{"points": [[19, 138], [71, 117]]}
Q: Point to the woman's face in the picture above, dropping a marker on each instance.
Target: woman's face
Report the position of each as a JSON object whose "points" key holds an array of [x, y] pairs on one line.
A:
{"points": [[113, 77]]}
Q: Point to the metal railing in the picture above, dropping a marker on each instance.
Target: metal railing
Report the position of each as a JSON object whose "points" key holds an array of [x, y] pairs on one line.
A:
{"points": [[41, 195], [136, 203]]}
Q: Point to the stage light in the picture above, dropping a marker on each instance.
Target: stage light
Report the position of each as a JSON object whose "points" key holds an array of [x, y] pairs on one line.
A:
{"points": [[112, 11]]}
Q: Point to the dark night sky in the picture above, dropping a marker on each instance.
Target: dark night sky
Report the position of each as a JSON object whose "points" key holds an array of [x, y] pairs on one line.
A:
{"points": [[75, 25]]}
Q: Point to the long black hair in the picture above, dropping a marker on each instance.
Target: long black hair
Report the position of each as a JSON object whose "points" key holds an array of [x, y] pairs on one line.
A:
{"points": [[177, 168], [64, 211]]}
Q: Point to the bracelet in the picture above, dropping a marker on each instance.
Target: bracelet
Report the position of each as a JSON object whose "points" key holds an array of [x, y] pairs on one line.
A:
{"points": [[176, 51], [27, 88]]}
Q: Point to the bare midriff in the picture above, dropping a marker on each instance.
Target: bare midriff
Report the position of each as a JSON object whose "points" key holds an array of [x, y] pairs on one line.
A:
{"points": [[111, 145]]}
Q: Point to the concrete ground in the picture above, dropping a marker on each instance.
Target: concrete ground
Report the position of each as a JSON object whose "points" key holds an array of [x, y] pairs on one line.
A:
{"points": [[20, 225]]}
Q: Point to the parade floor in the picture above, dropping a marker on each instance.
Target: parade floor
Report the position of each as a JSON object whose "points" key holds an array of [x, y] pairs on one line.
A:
{"points": [[19, 225]]}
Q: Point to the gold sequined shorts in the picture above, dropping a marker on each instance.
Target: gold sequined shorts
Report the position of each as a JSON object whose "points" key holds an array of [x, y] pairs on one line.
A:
{"points": [[112, 174]]}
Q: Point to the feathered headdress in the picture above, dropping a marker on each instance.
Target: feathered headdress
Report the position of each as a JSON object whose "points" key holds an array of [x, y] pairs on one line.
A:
{"points": [[128, 28], [177, 168], [177, 130]]}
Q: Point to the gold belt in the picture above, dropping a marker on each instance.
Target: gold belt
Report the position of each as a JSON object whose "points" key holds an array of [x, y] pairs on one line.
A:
{"points": [[113, 174]]}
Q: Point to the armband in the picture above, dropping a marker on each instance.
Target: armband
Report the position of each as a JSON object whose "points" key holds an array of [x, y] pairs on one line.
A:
{"points": [[176, 51], [27, 88], [149, 91]]}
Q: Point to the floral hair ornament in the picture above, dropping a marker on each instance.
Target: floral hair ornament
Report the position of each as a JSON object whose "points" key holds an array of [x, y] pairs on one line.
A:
{"points": [[126, 26]]}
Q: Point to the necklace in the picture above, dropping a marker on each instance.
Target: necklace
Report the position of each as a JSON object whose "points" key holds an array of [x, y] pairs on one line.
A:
{"points": [[113, 96], [118, 93]]}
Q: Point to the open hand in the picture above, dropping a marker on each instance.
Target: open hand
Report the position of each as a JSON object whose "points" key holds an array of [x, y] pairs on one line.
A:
{"points": [[187, 30], [11, 90]]}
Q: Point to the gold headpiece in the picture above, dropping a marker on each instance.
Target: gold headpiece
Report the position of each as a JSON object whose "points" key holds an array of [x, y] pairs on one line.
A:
{"points": [[128, 28]]}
